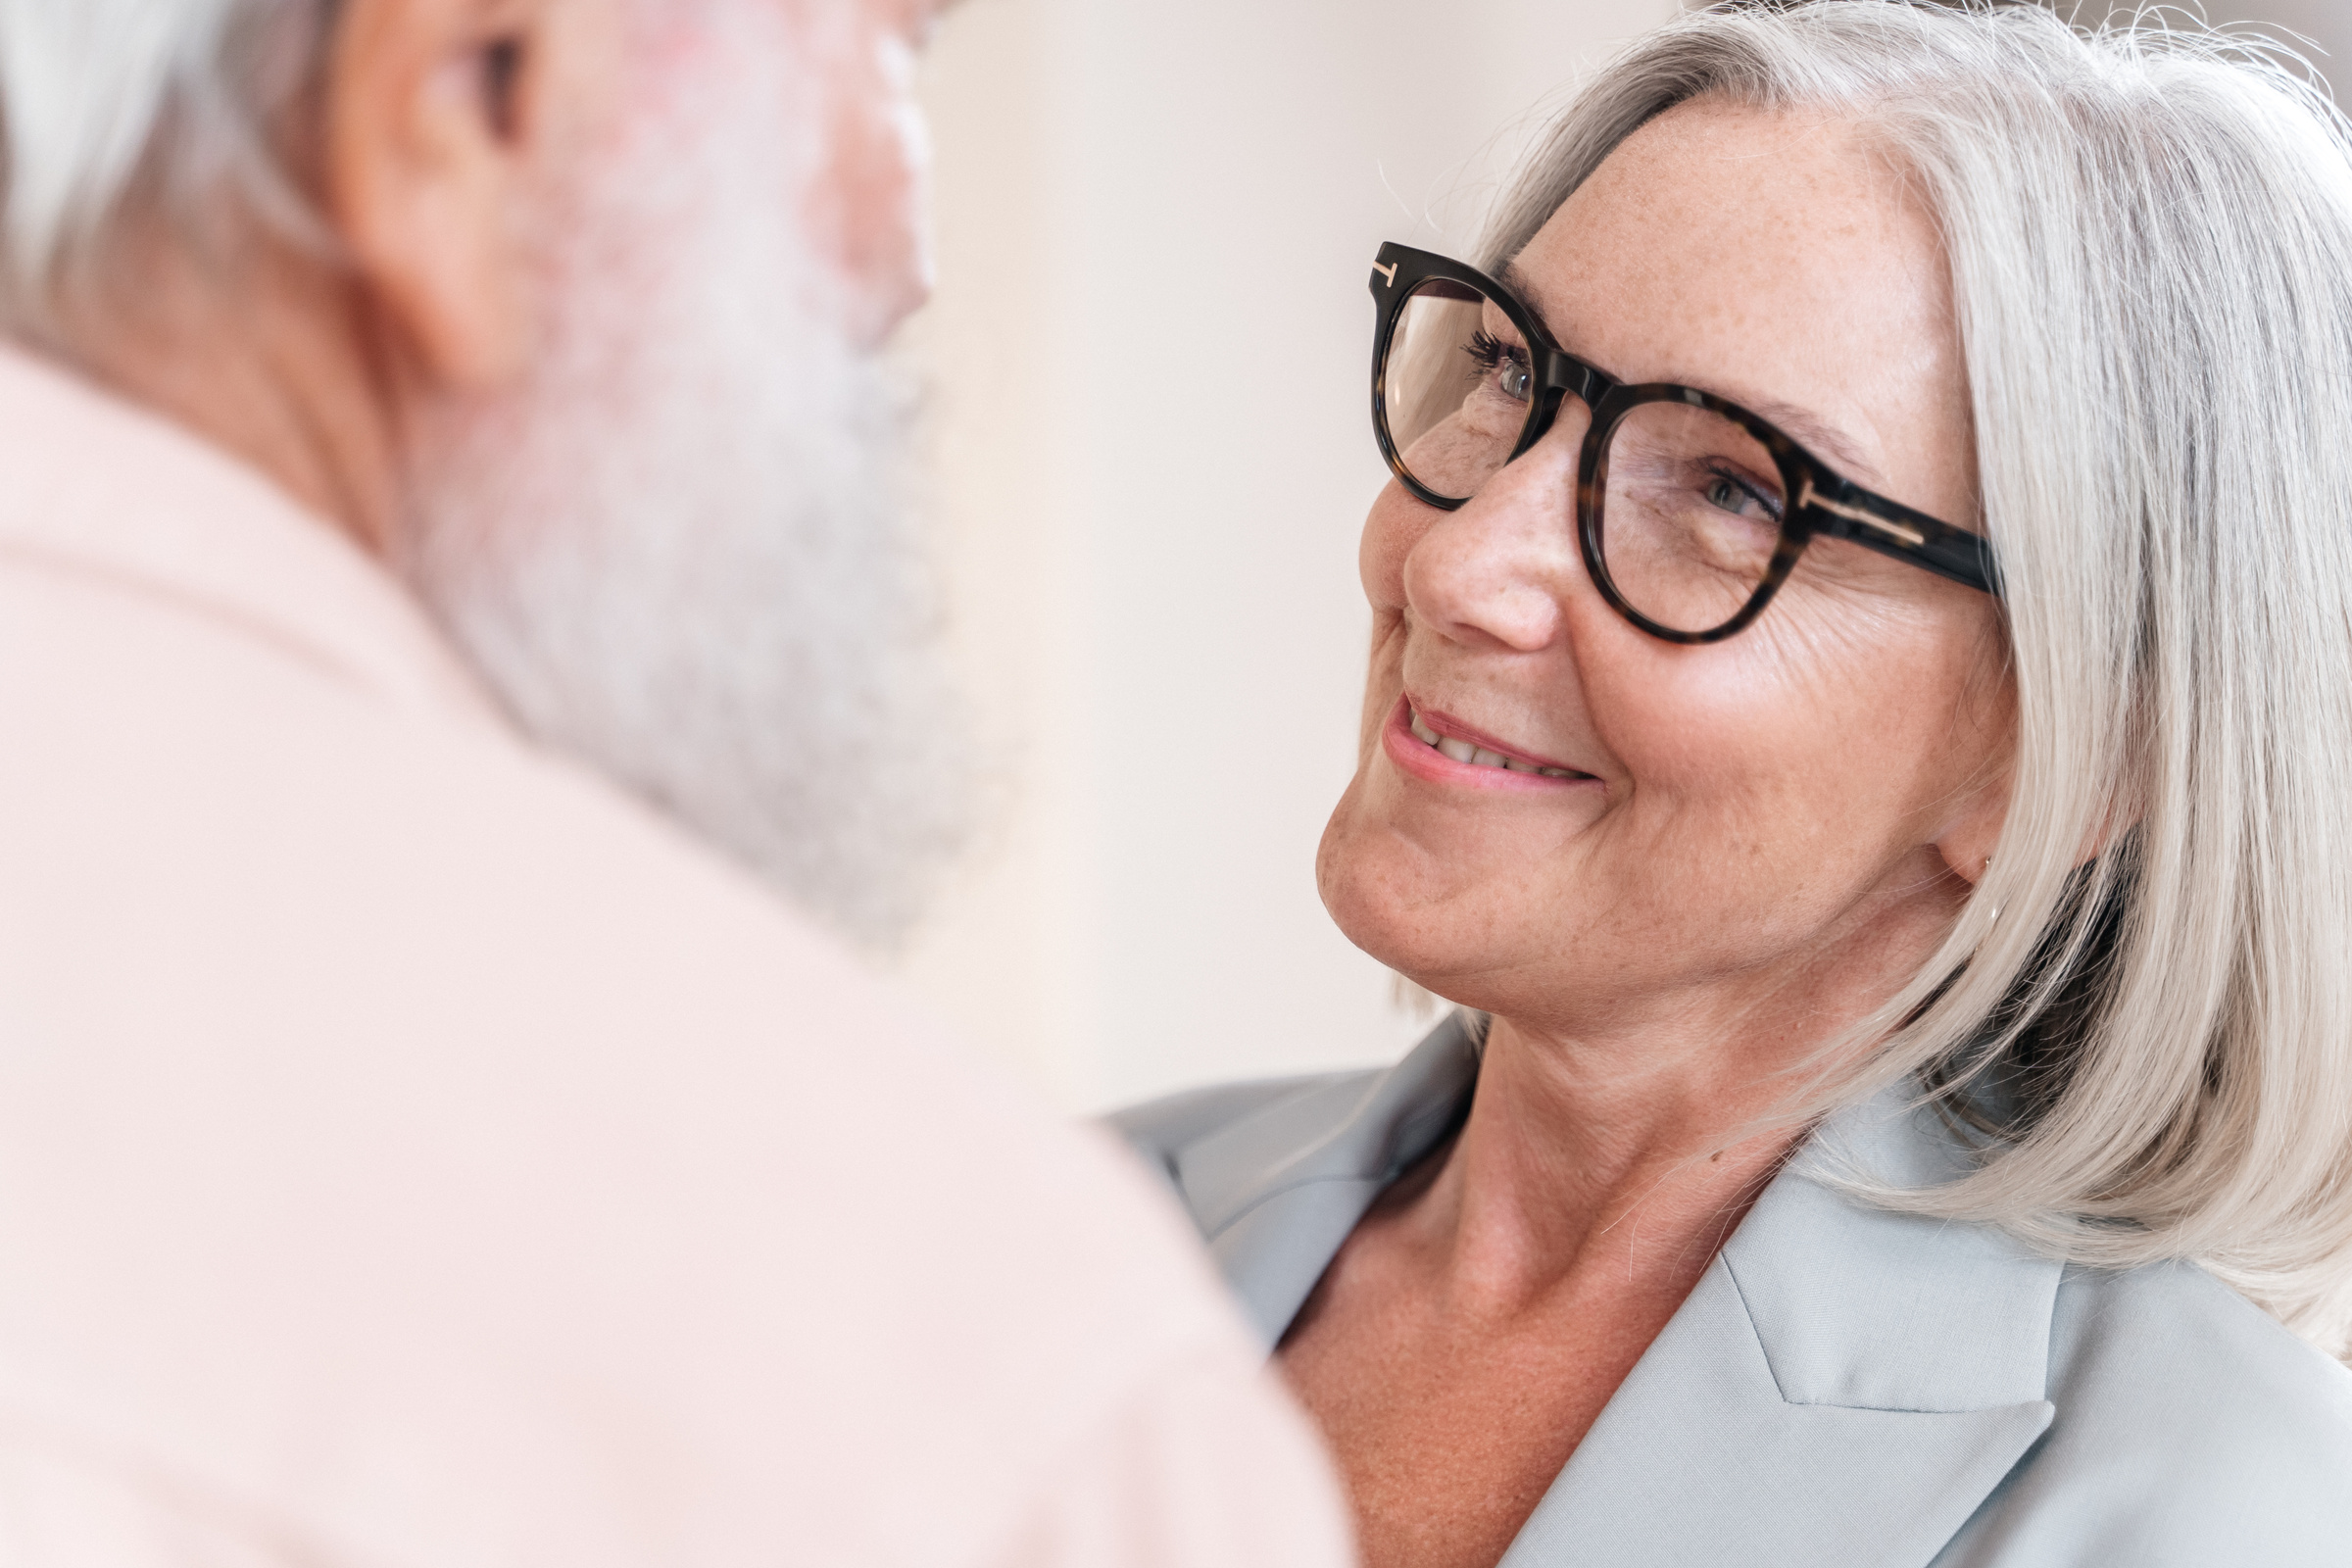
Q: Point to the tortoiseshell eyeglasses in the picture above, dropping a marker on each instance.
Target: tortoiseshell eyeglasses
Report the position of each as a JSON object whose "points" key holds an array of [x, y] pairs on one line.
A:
{"points": [[1692, 511]]}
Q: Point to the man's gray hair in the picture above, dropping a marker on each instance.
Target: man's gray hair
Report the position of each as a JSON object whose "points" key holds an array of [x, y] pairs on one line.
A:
{"points": [[2148, 232], [162, 108]]}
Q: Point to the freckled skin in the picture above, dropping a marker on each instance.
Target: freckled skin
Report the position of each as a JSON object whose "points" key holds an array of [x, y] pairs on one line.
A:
{"points": [[1781, 828]]}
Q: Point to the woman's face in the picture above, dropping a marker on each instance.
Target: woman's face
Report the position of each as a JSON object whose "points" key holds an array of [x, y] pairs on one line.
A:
{"points": [[1756, 829]]}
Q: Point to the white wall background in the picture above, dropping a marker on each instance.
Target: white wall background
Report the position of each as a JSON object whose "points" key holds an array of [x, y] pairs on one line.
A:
{"points": [[1148, 351], [2325, 24], [1150, 348]]}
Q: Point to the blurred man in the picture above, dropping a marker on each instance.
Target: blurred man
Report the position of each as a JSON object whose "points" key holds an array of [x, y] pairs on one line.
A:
{"points": [[413, 1148]]}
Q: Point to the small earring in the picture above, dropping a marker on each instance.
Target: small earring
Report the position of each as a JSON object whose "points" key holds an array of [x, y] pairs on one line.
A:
{"points": [[1996, 909]]}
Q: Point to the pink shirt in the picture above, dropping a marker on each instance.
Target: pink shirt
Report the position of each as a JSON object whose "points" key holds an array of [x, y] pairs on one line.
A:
{"points": [[414, 1152]]}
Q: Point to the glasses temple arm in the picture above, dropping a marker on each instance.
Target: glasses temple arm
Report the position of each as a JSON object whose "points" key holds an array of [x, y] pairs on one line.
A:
{"points": [[1893, 529]]}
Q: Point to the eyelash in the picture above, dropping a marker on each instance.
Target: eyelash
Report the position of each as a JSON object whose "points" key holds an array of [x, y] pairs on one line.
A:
{"points": [[1725, 473], [1486, 351]]}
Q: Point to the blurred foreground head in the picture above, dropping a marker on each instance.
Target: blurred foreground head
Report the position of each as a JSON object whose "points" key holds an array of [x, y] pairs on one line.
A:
{"points": [[567, 309]]}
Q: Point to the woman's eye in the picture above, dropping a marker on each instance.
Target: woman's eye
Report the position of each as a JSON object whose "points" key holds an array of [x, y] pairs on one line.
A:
{"points": [[1730, 495], [1504, 366]]}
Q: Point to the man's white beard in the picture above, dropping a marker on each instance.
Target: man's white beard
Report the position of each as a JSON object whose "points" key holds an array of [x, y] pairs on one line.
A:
{"points": [[685, 553]]}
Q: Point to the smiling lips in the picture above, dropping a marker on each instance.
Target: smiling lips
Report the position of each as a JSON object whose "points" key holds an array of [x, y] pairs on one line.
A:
{"points": [[1462, 751]]}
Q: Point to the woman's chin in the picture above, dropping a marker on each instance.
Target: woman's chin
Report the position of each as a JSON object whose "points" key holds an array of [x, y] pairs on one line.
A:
{"points": [[1382, 904]]}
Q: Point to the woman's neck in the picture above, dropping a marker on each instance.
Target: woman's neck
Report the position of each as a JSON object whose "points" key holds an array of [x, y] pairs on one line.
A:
{"points": [[1577, 1164], [1625, 1141]]}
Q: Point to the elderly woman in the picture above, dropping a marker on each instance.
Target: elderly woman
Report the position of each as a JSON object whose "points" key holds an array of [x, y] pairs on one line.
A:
{"points": [[1860, 717]]}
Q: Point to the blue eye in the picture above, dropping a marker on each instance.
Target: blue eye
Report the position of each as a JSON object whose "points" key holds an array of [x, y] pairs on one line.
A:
{"points": [[1728, 494]]}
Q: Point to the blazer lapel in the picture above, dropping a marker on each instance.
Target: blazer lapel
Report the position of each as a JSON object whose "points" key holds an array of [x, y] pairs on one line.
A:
{"points": [[1841, 1391], [1843, 1388], [1277, 1193]]}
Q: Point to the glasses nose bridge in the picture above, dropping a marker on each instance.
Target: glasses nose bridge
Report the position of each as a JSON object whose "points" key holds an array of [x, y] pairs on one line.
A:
{"points": [[1573, 378], [1559, 378], [1562, 380]]}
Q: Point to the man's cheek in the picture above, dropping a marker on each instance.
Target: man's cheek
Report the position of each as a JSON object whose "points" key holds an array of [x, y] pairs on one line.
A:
{"points": [[909, 131], [872, 203]]}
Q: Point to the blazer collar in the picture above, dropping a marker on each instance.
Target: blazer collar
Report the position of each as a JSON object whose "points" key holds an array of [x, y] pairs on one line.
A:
{"points": [[1276, 1192], [1844, 1386]]}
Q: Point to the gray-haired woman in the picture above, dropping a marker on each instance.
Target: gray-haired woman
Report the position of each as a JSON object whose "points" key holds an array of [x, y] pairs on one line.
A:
{"points": [[1861, 707]]}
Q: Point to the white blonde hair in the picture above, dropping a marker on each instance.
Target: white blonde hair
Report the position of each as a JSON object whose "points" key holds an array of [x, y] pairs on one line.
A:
{"points": [[2150, 240]]}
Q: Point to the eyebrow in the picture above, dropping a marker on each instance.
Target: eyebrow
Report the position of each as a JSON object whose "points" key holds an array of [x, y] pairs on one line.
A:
{"points": [[1820, 438], [1807, 429]]}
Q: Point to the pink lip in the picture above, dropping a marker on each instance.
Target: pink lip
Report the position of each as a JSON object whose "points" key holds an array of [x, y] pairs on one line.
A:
{"points": [[1407, 752]]}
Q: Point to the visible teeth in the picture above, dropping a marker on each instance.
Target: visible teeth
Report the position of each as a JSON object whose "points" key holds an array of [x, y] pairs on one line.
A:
{"points": [[1477, 755]]}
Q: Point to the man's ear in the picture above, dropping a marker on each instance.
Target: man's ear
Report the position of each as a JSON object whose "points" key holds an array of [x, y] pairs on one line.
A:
{"points": [[436, 121]]}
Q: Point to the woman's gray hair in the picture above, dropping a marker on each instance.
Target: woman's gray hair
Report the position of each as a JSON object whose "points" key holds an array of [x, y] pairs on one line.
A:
{"points": [[2150, 240], [170, 110]]}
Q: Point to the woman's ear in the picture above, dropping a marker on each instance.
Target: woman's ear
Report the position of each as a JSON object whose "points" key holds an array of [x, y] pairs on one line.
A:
{"points": [[436, 119], [1968, 839], [1967, 842]]}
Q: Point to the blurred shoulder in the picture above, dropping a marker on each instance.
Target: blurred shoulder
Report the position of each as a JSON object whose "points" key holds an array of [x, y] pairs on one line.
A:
{"points": [[2191, 1428], [415, 1073]]}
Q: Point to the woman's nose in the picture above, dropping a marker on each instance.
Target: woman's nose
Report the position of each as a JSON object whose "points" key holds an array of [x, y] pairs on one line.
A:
{"points": [[1495, 572]]}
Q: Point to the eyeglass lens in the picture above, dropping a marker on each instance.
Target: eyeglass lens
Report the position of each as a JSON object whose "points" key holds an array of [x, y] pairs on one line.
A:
{"points": [[1690, 502]]}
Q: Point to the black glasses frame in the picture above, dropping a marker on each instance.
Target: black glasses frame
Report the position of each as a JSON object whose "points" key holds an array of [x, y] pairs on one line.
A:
{"points": [[1826, 503]]}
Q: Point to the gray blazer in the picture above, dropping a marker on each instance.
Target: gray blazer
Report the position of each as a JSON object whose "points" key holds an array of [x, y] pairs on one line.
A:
{"points": [[1846, 1387]]}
